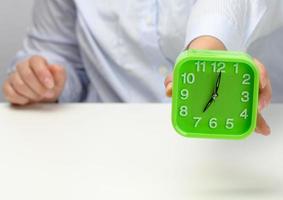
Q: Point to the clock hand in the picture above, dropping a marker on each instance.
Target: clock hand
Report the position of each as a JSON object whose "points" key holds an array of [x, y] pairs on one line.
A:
{"points": [[215, 93], [217, 83], [208, 104], [212, 99]]}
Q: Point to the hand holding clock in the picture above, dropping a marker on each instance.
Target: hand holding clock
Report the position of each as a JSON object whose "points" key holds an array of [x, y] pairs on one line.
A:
{"points": [[265, 95], [265, 91]]}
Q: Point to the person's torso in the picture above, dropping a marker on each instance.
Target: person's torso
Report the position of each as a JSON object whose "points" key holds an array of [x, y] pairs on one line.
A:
{"points": [[128, 47]]}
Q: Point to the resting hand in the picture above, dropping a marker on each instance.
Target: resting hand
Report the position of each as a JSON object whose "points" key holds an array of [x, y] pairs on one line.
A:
{"points": [[34, 81]]}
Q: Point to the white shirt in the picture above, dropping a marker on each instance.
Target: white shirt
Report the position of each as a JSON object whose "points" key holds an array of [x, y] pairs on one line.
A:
{"points": [[121, 51]]}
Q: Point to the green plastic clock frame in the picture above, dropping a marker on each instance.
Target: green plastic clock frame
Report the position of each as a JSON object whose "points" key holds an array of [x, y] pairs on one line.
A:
{"points": [[195, 74]]}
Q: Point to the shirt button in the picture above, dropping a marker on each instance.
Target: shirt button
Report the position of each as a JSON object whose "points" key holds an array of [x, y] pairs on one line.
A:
{"points": [[164, 71]]}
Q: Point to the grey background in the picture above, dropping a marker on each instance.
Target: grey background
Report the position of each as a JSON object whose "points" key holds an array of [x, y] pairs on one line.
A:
{"points": [[15, 16]]}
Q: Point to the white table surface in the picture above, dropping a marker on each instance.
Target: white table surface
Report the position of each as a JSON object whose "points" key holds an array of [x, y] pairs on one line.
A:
{"points": [[127, 152]]}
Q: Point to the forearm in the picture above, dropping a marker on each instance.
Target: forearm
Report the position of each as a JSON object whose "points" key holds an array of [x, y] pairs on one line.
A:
{"points": [[236, 23]]}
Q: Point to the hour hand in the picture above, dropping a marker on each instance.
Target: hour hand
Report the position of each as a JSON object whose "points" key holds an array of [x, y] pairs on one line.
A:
{"points": [[208, 104]]}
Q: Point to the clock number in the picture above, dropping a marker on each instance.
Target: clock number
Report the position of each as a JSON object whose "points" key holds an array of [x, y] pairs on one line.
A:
{"points": [[220, 67], [213, 123], [197, 119], [236, 67], [229, 123], [188, 78], [214, 67], [244, 114], [184, 111], [184, 94], [245, 96], [200, 66], [246, 79]]}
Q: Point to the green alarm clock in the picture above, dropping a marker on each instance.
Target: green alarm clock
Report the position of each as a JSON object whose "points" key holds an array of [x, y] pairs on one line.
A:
{"points": [[215, 94]]}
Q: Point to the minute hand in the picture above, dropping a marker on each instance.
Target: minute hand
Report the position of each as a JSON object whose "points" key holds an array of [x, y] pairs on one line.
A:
{"points": [[217, 84]]}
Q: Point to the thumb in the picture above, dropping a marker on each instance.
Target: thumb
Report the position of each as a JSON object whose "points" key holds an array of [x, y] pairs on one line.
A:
{"points": [[59, 75]]}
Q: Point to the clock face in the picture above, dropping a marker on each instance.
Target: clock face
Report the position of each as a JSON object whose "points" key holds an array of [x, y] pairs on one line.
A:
{"points": [[214, 98]]}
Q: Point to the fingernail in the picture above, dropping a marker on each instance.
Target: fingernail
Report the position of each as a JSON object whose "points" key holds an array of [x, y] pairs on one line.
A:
{"points": [[169, 89], [265, 103], [49, 94], [261, 105], [267, 131], [263, 83], [49, 83]]}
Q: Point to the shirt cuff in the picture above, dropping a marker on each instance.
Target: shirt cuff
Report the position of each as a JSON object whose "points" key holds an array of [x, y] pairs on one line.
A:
{"points": [[217, 26], [75, 89]]}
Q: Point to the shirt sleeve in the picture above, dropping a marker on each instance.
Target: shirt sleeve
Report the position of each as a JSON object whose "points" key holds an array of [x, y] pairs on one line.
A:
{"points": [[237, 23], [52, 35]]}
